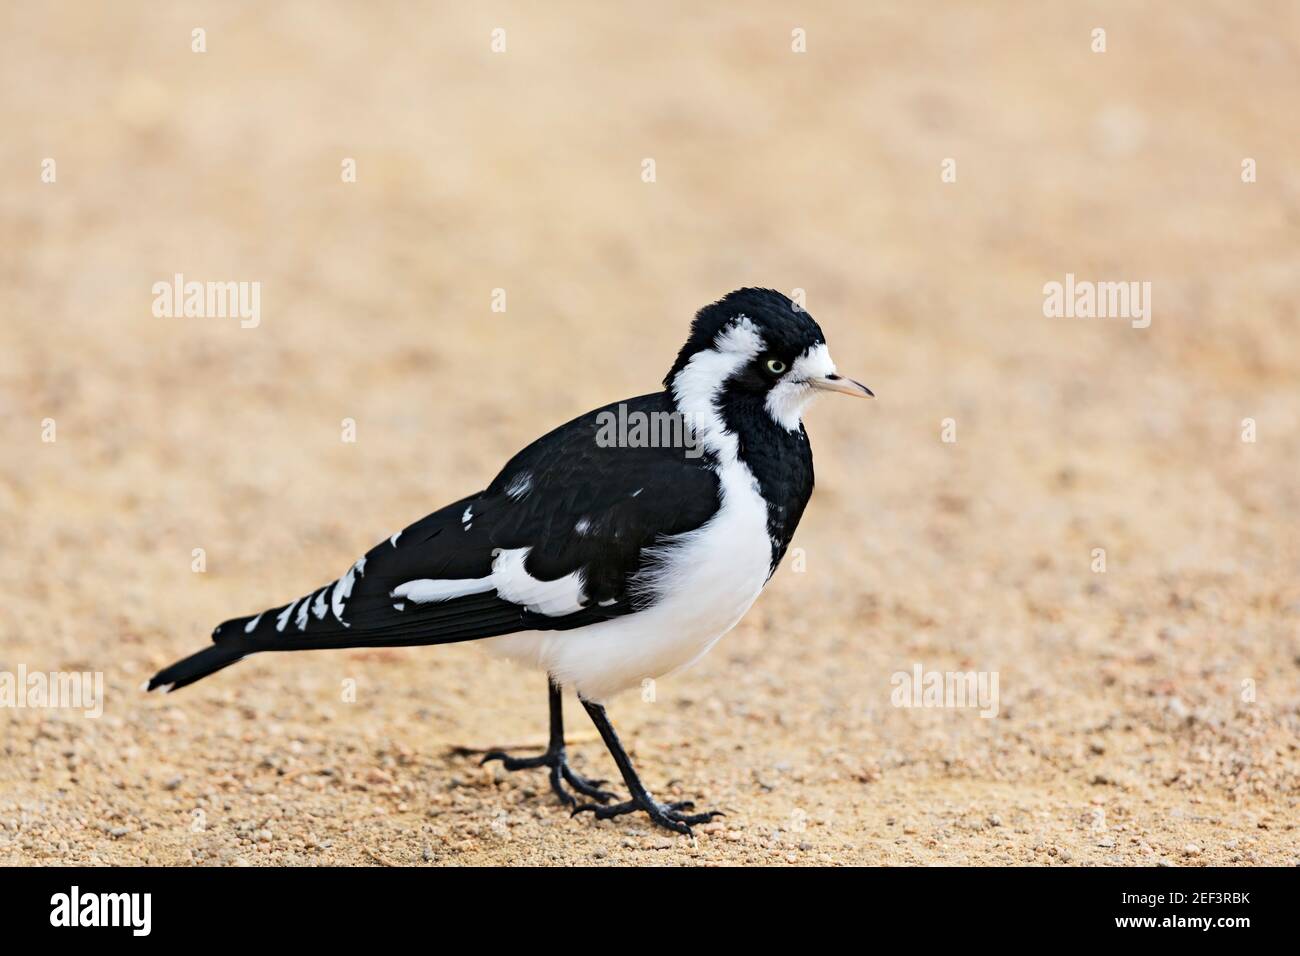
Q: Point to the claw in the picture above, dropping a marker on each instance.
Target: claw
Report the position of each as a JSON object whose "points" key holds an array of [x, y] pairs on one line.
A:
{"points": [[558, 764], [666, 815], [564, 796], [589, 788]]}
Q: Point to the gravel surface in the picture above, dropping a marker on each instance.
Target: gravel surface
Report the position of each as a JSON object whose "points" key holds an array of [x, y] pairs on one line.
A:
{"points": [[1146, 714]]}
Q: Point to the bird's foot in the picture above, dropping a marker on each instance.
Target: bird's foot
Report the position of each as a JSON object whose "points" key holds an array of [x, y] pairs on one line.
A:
{"points": [[667, 815], [560, 773]]}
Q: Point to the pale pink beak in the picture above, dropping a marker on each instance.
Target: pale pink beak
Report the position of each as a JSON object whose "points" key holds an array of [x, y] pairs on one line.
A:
{"points": [[838, 383]]}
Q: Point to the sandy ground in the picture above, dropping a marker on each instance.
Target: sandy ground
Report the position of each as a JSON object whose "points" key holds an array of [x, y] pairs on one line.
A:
{"points": [[1147, 714]]}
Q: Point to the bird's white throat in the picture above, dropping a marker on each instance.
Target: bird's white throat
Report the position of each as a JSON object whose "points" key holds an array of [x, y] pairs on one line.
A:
{"points": [[790, 396]]}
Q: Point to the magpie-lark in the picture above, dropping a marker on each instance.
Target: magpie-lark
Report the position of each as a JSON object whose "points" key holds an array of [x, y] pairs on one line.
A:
{"points": [[603, 559]]}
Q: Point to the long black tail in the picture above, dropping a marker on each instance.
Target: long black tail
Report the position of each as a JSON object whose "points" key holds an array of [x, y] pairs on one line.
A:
{"points": [[198, 666], [360, 610]]}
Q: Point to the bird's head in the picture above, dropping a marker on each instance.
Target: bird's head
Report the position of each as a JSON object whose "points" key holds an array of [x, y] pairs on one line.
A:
{"points": [[756, 347]]}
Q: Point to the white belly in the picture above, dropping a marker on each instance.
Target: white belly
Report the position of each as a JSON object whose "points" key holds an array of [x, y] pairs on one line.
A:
{"points": [[705, 581]]}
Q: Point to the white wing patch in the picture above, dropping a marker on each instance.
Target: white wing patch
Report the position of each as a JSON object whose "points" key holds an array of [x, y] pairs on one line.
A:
{"points": [[430, 591], [552, 598], [512, 582]]}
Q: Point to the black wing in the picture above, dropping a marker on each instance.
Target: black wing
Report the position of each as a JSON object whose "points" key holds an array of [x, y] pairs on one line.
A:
{"points": [[578, 502]]}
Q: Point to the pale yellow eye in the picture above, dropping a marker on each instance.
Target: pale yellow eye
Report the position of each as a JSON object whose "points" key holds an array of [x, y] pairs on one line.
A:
{"points": [[775, 366]]}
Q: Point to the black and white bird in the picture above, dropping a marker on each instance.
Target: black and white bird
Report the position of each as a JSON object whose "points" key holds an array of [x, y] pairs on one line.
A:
{"points": [[598, 554]]}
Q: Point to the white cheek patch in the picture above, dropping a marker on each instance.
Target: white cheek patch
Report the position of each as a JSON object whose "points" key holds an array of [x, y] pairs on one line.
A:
{"points": [[789, 397]]}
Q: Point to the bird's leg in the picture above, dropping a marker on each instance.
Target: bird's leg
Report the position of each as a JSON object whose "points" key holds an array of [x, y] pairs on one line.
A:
{"points": [[555, 758], [667, 815]]}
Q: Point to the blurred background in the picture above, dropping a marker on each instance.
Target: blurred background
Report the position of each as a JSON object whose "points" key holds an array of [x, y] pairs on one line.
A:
{"points": [[1148, 713]]}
